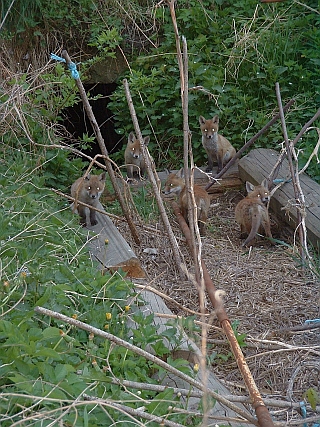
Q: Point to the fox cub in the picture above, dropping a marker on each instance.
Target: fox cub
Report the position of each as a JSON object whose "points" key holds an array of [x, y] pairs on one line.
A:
{"points": [[88, 190], [175, 185], [217, 147], [252, 212], [133, 156]]}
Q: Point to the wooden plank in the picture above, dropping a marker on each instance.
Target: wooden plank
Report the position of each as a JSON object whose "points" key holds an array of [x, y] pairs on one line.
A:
{"points": [[257, 165], [111, 249], [188, 350]]}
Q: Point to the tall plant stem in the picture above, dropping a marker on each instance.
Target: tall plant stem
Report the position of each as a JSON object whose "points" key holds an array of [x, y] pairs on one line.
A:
{"points": [[105, 153], [299, 197]]}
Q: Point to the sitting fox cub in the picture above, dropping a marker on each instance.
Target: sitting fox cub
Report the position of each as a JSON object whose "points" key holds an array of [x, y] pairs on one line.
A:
{"points": [[175, 185], [252, 212], [133, 156], [88, 190], [217, 146]]}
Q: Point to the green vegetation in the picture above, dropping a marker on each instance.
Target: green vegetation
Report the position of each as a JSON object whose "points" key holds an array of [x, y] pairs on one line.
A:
{"points": [[237, 52], [46, 366]]}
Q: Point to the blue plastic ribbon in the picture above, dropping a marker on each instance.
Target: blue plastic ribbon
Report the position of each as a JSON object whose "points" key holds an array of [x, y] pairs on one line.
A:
{"points": [[304, 414], [312, 321], [279, 180], [72, 66]]}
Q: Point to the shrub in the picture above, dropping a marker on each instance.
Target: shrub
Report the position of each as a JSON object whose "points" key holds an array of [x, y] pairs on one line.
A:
{"points": [[237, 52]]}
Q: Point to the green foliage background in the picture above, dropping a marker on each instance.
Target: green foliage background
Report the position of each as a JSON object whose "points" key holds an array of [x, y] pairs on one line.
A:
{"points": [[46, 366], [237, 51]]}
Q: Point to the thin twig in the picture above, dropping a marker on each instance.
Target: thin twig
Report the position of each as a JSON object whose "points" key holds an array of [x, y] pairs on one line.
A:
{"points": [[104, 151], [146, 355], [301, 208], [249, 143]]}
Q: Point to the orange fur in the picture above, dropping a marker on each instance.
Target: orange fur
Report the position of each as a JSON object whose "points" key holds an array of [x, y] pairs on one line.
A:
{"points": [[175, 184], [252, 212], [217, 147], [133, 156], [88, 190]]}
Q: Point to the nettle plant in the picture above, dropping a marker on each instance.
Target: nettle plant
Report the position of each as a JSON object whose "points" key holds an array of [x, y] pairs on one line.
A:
{"points": [[237, 52], [46, 366]]}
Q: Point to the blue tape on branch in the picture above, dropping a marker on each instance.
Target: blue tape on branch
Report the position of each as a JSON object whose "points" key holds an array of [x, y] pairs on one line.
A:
{"points": [[308, 322], [57, 58], [279, 180], [74, 72], [304, 414], [72, 66]]}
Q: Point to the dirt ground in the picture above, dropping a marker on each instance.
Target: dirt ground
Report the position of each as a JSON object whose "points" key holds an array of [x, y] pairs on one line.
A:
{"points": [[267, 293]]}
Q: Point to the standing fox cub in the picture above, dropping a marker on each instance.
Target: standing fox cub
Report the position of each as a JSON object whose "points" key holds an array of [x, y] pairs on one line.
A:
{"points": [[133, 156], [252, 212], [175, 185], [217, 146], [88, 190]]}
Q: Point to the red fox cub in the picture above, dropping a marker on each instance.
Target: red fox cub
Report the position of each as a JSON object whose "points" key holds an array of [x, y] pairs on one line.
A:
{"points": [[217, 146], [133, 156], [175, 185], [252, 212], [88, 190]]}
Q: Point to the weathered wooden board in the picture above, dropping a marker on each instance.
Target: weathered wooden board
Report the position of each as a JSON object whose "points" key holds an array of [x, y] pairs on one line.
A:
{"points": [[111, 249], [188, 350], [257, 165]]}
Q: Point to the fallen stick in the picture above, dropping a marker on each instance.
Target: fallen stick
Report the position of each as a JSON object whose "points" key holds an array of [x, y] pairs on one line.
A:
{"points": [[154, 184], [146, 355]]}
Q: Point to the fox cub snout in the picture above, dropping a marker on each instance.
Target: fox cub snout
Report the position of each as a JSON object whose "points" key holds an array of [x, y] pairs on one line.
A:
{"points": [[88, 190], [175, 184], [252, 213], [217, 147], [133, 156]]}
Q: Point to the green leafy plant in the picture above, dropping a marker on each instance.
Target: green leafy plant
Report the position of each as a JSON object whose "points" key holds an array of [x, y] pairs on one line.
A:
{"points": [[46, 364], [313, 397], [237, 52]]}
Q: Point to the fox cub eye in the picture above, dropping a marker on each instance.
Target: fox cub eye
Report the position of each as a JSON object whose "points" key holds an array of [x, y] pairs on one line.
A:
{"points": [[89, 188], [98, 188], [206, 130]]}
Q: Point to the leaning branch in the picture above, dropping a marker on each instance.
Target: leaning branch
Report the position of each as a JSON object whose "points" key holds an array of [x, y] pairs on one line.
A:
{"points": [[148, 356], [250, 142], [104, 151], [150, 171]]}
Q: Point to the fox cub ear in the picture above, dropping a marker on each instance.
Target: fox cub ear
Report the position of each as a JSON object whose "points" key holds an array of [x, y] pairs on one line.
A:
{"points": [[215, 119], [131, 137], [146, 140], [180, 173], [102, 177], [249, 187], [266, 184], [202, 120]]}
